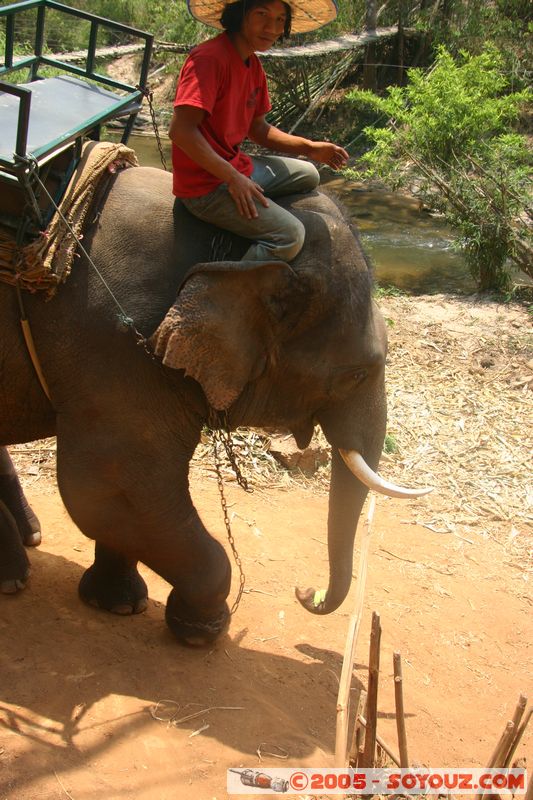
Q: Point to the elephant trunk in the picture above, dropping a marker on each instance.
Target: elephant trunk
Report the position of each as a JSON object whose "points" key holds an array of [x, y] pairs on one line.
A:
{"points": [[346, 497], [351, 477]]}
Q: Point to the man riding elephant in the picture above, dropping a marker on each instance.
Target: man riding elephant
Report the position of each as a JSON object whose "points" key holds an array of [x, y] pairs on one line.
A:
{"points": [[222, 98]]}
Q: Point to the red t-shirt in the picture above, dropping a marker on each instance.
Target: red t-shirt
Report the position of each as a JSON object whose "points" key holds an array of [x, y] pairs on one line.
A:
{"points": [[233, 92]]}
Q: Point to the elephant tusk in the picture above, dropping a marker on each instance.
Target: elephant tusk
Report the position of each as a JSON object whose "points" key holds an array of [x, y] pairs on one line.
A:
{"points": [[358, 466]]}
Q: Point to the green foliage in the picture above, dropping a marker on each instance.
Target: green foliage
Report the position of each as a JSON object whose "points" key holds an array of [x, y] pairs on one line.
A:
{"points": [[447, 135], [168, 21], [495, 201], [388, 291], [390, 444], [472, 24]]}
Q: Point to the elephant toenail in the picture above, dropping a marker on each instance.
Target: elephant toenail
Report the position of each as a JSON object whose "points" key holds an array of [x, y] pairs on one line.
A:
{"points": [[124, 609], [11, 587]]}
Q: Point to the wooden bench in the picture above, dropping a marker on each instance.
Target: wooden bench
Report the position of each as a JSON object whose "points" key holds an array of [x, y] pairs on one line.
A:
{"points": [[44, 120]]}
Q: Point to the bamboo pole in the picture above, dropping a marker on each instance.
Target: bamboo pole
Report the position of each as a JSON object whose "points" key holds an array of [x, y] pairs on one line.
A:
{"points": [[343, 697], [499, 751], [372, 702], [400, 716], [518, 736], [503, 745], [516, 720]]}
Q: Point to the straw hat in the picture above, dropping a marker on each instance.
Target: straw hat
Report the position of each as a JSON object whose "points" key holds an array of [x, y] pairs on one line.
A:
{"points": [[307, 15]]}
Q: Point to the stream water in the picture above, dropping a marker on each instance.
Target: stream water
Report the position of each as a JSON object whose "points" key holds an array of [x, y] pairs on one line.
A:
{"points": [[410, 249]]}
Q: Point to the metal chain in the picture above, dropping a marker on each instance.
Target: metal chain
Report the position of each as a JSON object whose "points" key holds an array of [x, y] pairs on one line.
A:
{"points": [[148, 93], [221, 435]]}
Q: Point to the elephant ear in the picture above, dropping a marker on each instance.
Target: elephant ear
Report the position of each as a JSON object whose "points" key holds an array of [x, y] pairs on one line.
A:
{"points": [[223, 326]]}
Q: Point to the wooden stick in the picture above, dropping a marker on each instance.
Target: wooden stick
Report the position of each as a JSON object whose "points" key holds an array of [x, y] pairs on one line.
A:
{"points": [[518, 736], [372, 702], [501, 749], [503, 745], [343, 697], [504, 748], [358, 700], [400, 716], [383, 744]]}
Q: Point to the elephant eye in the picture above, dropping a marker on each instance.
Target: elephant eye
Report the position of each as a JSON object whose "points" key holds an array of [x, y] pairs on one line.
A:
{"points": [[347, 378]]}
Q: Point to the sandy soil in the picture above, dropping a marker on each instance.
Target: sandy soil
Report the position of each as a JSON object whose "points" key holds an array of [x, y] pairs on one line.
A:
{"points": [[93, 705]]}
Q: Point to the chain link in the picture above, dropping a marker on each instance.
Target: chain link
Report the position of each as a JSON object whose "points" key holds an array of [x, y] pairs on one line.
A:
{"points": [[221, 435], [148, 93]]}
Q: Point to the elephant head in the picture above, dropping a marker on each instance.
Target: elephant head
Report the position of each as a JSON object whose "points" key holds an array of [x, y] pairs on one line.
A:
{"points": [[292, 346]]}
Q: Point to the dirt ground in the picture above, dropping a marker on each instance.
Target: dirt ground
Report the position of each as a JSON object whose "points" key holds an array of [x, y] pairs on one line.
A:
{"points": [[93, 705]]}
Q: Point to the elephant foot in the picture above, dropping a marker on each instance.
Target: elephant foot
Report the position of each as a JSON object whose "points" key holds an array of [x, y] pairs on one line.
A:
{"points": [[124, 594], [14, 585], [191, 628]]}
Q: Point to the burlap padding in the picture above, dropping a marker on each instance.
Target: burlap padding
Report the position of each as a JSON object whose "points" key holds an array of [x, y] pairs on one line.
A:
{"points": [[47, 262]]}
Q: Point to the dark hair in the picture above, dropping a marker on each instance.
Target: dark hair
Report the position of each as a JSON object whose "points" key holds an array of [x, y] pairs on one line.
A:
{"points": [[233, 14]]}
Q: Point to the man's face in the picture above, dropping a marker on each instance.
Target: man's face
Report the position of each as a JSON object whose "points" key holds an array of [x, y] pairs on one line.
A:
{"points": [[264, 24]]}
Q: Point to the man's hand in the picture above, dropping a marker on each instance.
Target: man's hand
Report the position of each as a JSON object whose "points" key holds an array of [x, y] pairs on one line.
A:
{"points": [[266, 135], [245, 192], [328, 153]]}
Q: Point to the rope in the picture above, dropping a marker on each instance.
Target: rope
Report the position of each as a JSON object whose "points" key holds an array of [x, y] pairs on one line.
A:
{"points": [[126, 320]]}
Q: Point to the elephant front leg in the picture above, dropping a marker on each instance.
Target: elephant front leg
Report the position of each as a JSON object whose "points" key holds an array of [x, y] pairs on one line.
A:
{"points": [[113, 583]]}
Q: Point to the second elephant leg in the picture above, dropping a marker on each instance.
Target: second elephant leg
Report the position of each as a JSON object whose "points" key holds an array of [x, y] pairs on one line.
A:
{"points": [[12, 495], [14, 564]]}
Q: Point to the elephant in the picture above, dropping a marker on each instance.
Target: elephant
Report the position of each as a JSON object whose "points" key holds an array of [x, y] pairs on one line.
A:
{"points": [[268, 345]]}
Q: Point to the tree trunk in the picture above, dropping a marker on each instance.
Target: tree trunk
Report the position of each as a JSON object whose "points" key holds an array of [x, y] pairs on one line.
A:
{"points": [[371, 15], [401, 42]]}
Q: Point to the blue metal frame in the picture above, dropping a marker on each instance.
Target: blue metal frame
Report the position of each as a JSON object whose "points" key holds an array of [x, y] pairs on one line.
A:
{"points": [[38, 58]]}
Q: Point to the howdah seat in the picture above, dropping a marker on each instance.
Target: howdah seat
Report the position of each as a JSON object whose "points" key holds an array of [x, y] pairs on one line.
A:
{"points": [[45, 118]]}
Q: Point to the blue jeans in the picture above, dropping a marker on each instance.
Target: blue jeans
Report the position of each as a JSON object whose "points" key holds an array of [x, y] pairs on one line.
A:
{"points": [[277, 233]]}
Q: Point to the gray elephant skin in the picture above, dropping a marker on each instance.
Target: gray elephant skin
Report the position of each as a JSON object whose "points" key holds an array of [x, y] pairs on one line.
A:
{"points": [[271, 345]]}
